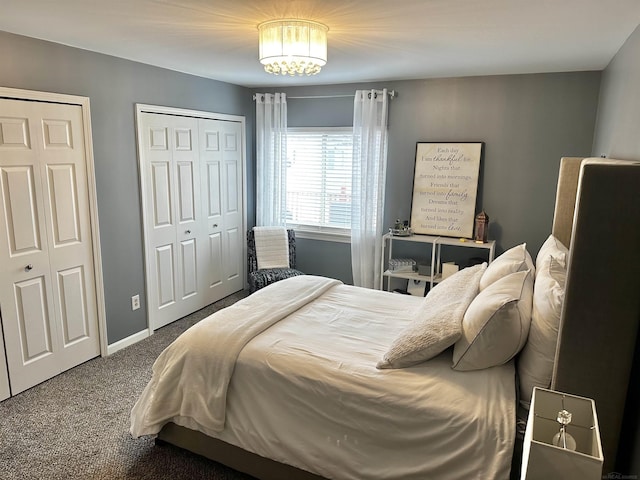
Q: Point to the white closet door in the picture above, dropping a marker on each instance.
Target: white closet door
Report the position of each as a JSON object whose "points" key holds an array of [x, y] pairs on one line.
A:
{"points": [[221, 184], [170, 170], [47, 291], [193, 208]]}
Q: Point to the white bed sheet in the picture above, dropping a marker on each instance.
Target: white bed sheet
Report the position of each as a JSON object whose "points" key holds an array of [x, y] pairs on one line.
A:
{"points": [[306, 392]]}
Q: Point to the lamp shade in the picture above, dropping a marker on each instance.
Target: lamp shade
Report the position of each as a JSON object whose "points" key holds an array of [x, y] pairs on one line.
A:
{"points": [[293, 47], [541, 459]]}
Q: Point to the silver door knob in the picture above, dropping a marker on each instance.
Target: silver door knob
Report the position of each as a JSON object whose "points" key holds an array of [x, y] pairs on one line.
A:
{"points": [[187, 232], [28, 268], [215, 225]]}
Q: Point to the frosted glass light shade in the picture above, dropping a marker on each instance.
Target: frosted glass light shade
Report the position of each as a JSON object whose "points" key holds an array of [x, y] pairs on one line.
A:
{"points": [[293, 47]]}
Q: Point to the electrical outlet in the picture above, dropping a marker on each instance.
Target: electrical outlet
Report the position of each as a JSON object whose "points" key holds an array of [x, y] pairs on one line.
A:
{"points": [[135, 302]]}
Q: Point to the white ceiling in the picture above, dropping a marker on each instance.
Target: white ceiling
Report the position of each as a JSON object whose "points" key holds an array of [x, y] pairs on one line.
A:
{"points": [[369, 40]]}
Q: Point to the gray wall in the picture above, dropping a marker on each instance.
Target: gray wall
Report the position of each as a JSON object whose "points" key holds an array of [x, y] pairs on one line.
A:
{"points": [[618, 124], [618, 136], [526, 121], [114, 86]]}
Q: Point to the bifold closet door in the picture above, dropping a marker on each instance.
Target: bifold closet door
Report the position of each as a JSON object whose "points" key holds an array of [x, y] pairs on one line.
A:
{"points": [[191, 173], [47, 287], [174, 251], [221, 186]]}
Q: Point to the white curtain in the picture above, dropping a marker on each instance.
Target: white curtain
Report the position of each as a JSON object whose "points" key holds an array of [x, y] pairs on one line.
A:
{"points": [[271, 159], [368, 185]]}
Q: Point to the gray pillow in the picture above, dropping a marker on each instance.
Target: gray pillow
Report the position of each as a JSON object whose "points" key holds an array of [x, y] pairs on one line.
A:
{"points": [[438, 322]]}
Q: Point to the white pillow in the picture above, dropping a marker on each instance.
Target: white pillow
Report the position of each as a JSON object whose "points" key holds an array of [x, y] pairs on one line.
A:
{"points": [[551, 247], [516, 259], [535, 363], [496, 324], [437, 323]]}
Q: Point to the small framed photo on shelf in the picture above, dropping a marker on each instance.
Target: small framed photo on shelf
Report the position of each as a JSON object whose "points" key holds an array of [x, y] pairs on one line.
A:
{"points": [[445, 186]]}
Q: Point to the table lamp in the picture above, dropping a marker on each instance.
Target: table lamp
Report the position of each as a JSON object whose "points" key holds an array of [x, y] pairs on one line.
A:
{"points": [[562, 439]]}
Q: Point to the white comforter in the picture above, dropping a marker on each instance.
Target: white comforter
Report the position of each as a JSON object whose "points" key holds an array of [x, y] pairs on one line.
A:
{"points": [[190, 377], [306, 392]]}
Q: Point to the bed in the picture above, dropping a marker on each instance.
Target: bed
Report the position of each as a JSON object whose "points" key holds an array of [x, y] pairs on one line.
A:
{"points": [[296, 392]]}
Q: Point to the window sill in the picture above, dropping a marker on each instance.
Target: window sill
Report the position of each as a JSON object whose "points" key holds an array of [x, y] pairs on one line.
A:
{"points": [[323, 236]]}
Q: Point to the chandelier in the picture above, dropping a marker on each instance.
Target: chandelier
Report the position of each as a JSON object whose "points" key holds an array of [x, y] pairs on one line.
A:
{"points": [[293, 47]]}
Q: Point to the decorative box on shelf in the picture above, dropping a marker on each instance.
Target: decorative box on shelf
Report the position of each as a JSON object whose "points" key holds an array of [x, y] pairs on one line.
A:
{"points": [[562, 439], [448, 269]]}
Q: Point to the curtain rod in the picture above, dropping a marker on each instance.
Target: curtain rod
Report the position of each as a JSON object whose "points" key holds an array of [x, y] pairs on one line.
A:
{"points": [[391, 93], [320, 96]]}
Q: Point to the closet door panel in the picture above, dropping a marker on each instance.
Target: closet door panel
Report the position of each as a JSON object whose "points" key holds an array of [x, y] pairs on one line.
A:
{"points": [[189, 260], [73, 311], [57, 133], [189, 217], [233, 205], [232, 266], [214, 275], [212, 188], [32, 337], [26, 298], [66, 197], [36, 338], [64, 204], [22, 224], [212, 191], [14, 131], [169, 160], [161, 200], [186, 194], [166, 273]]}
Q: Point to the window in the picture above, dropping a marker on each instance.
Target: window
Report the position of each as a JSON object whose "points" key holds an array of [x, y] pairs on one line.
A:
{"points": [[319, 181]]}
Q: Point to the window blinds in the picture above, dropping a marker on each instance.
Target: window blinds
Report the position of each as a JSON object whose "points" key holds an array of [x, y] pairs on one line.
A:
{"points": [[319, 170]]}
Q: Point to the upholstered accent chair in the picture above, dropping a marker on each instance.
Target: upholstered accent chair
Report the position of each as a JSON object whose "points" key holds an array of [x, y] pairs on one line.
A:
{"points": [[259, 278]]}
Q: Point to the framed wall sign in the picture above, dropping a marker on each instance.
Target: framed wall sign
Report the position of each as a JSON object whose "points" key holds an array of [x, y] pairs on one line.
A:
{"points": [[445, 185]]}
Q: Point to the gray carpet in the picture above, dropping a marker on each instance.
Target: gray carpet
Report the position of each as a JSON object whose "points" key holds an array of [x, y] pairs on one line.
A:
{"points": [[76, 425]]}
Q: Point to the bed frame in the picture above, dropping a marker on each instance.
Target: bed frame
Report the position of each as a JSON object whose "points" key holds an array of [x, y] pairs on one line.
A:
{"points": [[600, 315]]}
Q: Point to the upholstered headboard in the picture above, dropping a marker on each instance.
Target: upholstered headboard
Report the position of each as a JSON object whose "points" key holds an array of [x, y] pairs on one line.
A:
{"points": [[601, 310], [566, 198]]}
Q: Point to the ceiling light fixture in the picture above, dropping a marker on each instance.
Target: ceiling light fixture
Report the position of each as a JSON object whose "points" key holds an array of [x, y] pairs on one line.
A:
{"points": [[293, 47]]}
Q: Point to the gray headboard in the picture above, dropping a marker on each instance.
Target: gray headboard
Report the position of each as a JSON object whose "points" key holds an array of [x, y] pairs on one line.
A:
{"points": [[601, 310]]}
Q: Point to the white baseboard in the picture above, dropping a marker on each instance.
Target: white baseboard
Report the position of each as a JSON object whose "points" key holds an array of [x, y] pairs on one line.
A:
{"points": [[125, 342]]}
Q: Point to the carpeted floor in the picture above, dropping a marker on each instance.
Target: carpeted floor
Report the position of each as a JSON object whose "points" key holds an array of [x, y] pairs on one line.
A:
{"points": [[76, 425]]}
